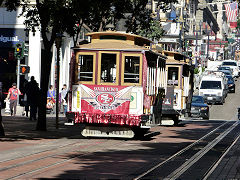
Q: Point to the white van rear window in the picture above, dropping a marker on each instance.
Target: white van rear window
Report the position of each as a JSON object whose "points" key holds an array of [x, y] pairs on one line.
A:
{"points": [[211, 85]]}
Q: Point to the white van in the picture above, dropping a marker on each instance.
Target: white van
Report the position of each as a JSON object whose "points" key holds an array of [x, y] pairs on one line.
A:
{"points": [[213, 89], [233, 65]]}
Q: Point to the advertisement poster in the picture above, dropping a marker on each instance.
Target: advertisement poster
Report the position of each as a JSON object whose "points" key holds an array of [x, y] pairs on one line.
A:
{"points": [[101, 99]]}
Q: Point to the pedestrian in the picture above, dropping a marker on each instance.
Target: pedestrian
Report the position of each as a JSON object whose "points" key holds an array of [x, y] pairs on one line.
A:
{"points": [[64, 94], [51, 93], [13, 94], [33, 92], [25, 103]]}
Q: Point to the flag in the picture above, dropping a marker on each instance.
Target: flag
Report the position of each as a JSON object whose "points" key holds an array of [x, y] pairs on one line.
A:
{"points": [[231, 11]]}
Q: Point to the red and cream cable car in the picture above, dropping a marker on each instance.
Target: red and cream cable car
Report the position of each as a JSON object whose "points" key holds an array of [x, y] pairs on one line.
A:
{"points": [[115, 81]]}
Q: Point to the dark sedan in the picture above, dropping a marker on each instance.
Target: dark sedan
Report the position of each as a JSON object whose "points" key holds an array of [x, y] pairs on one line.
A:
{"points": [[231, 84], [199, 108]]}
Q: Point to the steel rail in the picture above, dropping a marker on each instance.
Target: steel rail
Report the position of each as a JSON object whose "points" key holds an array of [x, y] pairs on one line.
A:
{"points": [[61, 150], [41, 151], [57, 163], [210, 171], [179, 152], [185, 166]]}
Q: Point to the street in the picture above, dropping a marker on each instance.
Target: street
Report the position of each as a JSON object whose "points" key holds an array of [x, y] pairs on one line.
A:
{"points": [[228, 111], [196, 149]]}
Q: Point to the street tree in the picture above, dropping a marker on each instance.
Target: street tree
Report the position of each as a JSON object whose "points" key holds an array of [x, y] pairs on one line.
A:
{"points": [[50, 17]]}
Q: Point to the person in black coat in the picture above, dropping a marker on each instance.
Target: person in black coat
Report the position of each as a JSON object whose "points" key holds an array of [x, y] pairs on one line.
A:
{"points": [[32, 92]]}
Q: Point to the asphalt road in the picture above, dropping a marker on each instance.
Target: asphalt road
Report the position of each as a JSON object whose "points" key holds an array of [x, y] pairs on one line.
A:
{"points": [[227, 111]]}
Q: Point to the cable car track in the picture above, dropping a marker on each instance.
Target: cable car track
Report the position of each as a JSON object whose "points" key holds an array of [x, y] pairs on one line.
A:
{"points": [[156, 170], [57, 152], [96, 147]]}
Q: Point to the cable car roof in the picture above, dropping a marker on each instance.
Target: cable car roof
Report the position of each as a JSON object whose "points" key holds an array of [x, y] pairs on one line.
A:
{"points": [[111, 45], [138, 40]]}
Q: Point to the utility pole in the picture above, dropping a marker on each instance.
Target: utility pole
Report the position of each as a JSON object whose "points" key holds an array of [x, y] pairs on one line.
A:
{"points": [[18, 54], [18, 77], [58, 42]]}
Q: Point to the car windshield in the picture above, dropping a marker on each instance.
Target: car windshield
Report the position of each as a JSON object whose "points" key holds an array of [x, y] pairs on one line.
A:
{"points": [[211, 85], [226, 72], [230, 78], [229, 64], [224, 68], [197, 99]]}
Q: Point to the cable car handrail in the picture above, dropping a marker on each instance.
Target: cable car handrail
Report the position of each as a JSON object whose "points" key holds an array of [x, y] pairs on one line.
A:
{"points": [[132, 78], [86, 72], [131, 74], [86, 77]]}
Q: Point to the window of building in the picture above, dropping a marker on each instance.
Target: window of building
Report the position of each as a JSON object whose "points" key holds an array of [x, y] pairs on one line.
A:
{"points": [[85, 67], [108, 68], [173, 76], [131, 70]]}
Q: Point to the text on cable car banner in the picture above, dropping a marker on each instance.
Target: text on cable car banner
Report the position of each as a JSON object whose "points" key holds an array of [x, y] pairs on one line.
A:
{"points": [[100, 99]]}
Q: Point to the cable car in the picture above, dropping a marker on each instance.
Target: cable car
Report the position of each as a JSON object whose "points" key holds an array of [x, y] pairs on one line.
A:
{"points": [[116, 80]]}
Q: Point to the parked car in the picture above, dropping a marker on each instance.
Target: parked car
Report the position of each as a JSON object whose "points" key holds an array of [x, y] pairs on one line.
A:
{"points": [[233, 65], [228, 72], [231, 84], [199, 108], [213, 87], [224, 68]]}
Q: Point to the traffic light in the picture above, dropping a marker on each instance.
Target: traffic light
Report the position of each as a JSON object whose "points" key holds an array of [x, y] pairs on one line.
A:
{"points": [[24, 69], [18, 51]]}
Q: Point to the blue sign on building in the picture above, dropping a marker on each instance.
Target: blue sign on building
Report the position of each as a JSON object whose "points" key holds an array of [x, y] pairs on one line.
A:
{"points": [[9, 37]]}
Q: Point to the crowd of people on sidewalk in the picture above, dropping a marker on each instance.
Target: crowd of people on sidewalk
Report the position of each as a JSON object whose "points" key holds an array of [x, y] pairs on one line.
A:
{"points": [[31, 91]]}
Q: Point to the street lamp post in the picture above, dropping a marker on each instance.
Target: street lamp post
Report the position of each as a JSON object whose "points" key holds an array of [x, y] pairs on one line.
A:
{"points": [[181, 19], [58, 43], [196, 47]]}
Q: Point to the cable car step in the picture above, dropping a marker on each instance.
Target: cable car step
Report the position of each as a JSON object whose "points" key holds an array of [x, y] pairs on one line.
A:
{"points": [[119, 132]]}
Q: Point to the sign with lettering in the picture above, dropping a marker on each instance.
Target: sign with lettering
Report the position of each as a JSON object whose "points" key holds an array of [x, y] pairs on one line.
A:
{"points": [[9, 37], [99, 99]]}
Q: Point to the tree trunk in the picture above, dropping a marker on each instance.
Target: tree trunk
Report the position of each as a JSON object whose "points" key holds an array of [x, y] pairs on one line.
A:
{"points": [[46, 60]]}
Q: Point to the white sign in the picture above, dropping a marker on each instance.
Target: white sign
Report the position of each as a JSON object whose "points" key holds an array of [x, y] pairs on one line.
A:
{"points": [[168, 40]]}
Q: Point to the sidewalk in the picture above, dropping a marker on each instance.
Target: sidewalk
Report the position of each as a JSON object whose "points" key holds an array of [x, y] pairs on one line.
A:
{"points": [[21, 128]]}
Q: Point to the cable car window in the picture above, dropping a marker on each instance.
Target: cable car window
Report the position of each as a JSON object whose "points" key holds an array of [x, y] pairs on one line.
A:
{"points": [[173, 76], [131, 71], [85, 68], [108, 67]]}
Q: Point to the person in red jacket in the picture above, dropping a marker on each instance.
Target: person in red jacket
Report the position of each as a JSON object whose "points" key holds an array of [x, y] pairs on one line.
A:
{"points": [[13, 94]]}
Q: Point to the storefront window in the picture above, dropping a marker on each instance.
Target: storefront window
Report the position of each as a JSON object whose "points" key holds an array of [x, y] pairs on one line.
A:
{"points": [[85, 68], [108, 67], [131, 71], [173, 76]]}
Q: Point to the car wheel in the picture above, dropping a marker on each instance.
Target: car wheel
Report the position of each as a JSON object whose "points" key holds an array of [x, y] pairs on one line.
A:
{"points": [[223, 101], [206, 117]]}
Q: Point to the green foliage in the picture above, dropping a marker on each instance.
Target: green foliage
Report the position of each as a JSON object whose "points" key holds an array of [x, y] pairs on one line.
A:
{"points": [[238, 24], [154, 31], [196, 71]]}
